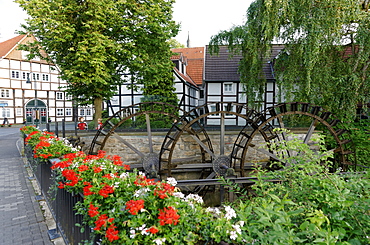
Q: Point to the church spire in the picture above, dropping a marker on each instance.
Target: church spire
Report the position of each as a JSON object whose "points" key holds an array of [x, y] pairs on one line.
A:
{"points": [[188, 41]]}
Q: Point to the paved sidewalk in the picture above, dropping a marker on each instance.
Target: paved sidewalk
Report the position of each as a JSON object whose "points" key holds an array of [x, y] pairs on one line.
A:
{"points": [[21, 219]]}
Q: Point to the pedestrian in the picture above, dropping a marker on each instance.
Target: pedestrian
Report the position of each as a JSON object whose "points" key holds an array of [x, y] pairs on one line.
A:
{"points": [[100, 124], [82, 125]]}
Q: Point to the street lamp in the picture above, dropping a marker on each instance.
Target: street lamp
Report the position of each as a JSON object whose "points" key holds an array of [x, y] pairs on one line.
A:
{"points": [[37, 116]]}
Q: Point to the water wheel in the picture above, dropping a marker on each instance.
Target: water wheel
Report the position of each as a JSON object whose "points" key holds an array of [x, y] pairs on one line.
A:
{"points": [[310, 118], [136, 117], [188, 146]]}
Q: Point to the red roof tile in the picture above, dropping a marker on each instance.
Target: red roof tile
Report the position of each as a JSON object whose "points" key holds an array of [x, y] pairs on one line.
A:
{"points": [[195, 58], [7, 45]]}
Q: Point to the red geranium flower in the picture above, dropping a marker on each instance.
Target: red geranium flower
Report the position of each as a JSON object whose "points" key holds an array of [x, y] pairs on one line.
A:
{"points": [[152, 230], [111, 233], [97, 169], [93, 211], [102, 221], [163, 190], [143, 181], [82, 168], [168, 216], [106, 190], [86, 189], [134, 206]]}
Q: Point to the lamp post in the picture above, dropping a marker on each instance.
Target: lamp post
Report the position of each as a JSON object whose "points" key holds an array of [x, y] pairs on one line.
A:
{"points": [[36, 104]]}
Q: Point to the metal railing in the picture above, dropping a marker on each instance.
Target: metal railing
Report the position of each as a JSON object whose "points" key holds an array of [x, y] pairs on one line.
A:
{"points": [[60, 202]]}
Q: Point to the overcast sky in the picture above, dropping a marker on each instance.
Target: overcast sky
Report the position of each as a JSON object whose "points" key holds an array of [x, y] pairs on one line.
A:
{"points": [[199, 18]]}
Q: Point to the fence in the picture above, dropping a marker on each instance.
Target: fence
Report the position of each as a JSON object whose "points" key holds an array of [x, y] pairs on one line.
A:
{"points": [[60, 202]]}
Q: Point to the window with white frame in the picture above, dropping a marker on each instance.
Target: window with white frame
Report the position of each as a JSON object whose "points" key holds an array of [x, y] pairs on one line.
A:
{"points": [[45, 77], [225, 109], [5, 93], [59, 95], [88, 112], [5, 112], [82, 112], [228, 87], [36, 76], [59, 111], [213, 108], [68, 111], [15, 74], [18, 111]]}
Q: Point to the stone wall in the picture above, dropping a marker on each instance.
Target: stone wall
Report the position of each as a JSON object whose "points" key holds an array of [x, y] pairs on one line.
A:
{"points": [[185, 148]]}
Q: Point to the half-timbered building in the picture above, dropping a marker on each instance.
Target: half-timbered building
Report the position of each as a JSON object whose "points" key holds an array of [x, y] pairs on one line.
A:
{"points": [[221, 82], [186, 89], [31, 90]]}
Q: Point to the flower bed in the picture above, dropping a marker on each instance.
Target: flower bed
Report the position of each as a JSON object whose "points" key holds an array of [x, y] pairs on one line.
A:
{"points": [[125, 207], [122, 206]]}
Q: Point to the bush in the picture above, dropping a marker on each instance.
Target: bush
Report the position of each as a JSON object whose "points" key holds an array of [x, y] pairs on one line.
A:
{"points": [[308, 205]]}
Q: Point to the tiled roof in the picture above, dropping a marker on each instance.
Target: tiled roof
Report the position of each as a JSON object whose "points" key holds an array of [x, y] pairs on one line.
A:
{"points": [[184, 77], [223, 67], [195, 59], [191, 53], [8, 45]]}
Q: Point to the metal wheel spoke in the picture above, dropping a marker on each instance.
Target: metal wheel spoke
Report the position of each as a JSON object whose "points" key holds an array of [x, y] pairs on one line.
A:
{"points": [[222, 135], [266, 152], [283, 134], [149, 131], [115, 135], [310, 131], [203, 146]]}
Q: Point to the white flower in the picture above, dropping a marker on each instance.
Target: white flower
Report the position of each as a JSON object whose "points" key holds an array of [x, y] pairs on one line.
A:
{"points": [[233, 235], [124, 175], [159, 241], [213, 210], [141, 192], [171, 181], [133, 234], [116, 184], [141, 173], [237, 229], [143, 230], [230, 213], [241, 223], [194, 197], [179, 195]]}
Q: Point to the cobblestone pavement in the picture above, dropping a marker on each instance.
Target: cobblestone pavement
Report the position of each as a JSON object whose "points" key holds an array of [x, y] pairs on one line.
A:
{"points": [[21, 219]]}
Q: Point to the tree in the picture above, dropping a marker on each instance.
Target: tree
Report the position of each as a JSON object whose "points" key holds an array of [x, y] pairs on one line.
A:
{"points": [[326, 56], [95, 41], [176, 44]]}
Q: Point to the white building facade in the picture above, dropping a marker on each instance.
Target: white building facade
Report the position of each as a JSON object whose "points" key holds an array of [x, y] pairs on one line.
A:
{"points": [[31, 91]]}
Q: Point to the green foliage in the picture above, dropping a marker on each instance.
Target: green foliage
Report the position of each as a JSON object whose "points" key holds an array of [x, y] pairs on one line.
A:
{"points": [[314, 65], [360, 134], [308, 205], [95, 41], [176, 44]]}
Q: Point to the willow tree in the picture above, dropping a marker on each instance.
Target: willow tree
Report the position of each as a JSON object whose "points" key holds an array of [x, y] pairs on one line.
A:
{"points": [[95, 41], [326, 53]]}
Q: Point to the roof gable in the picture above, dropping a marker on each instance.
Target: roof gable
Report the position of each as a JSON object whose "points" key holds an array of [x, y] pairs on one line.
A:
{"points": [[7, 46]]}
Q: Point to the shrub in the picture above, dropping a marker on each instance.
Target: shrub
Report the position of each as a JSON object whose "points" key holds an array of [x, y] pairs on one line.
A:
{"points": [[308, 204]]}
